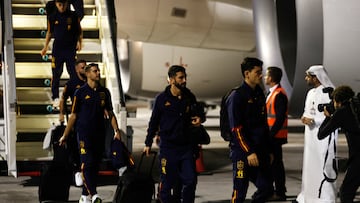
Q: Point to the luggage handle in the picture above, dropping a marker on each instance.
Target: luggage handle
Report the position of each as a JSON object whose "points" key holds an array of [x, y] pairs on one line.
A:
{"points": [[151, 153]]}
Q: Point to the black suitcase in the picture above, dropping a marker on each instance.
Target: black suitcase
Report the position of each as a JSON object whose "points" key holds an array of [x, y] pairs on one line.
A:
{"points": [[55, 181], [135, 186], [68, 154], [56, 176]]}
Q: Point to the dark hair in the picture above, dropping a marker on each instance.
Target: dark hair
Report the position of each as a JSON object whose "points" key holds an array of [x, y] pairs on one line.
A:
{"points": [[87, 68], [275, 73], [61, 1], [80, 61], [175, 69], [249, 63], [343, 93]]}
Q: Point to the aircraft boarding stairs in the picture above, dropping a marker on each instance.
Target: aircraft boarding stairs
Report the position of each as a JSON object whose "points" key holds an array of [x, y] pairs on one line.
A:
{"points": [[33, 74]]}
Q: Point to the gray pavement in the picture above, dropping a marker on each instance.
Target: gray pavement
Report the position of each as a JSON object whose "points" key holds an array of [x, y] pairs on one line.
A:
{"points": [[214, 187]]}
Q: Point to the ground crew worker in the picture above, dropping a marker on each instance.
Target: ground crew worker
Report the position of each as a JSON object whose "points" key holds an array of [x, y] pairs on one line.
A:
{"points": [[277, 108], [171, 119], [90, 102], [64, 26], [250, 145]]}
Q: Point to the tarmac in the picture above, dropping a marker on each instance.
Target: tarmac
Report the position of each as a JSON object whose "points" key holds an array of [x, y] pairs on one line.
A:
{"points": [[214, 184]]}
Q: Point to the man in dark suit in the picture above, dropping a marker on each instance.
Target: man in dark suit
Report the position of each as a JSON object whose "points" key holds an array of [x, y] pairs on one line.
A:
{"points": [[277, 111]]}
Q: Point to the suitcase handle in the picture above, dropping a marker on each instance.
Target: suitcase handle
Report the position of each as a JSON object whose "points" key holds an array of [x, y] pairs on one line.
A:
{"points": [[151, 153]]}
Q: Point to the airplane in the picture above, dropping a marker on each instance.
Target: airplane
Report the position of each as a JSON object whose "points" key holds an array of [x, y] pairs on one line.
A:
{"points": [[212, 37], [140, 39]]}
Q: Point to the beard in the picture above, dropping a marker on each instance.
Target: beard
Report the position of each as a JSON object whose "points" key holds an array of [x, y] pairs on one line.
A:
{"points": [[180, 86], [83, 75], [310, 83]]}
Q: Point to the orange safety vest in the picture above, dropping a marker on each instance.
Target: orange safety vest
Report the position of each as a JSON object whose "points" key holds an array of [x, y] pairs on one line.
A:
{"points": [[270, 106]]}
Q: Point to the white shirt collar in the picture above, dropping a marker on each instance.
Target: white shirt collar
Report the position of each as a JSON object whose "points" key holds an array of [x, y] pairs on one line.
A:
{"points": [[271, 89]]}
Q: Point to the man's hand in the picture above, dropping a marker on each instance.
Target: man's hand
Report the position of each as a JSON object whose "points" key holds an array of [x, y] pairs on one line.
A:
{"points": [[196, 121], [78, 46], [326, 112], [43, 51], [117, 134], [61, 117], [62, 140], [147, 150], [307, 121], [253, 160]]}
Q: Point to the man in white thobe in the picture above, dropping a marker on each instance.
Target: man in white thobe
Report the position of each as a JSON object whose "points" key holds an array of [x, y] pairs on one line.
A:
{"points": [[314, 187]]}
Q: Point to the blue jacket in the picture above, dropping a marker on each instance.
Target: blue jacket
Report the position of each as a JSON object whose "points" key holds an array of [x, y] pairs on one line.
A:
{"points": [[66, 30], [171, 119], [89, 105], [248, 119]]}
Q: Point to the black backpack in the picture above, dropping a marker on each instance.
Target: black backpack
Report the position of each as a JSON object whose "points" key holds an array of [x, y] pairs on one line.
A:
{"points": [[355, 107], [225, 131]]}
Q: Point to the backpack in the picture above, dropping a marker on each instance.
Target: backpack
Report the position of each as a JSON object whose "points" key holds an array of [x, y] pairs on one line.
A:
{"points": [[225, 131], [355, 107]]}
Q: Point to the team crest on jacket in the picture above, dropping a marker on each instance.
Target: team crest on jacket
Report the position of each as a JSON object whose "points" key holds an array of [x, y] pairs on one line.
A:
{"points": [[163, 166], [240, 169], [69, 22], [102, 98], [167, 103]]}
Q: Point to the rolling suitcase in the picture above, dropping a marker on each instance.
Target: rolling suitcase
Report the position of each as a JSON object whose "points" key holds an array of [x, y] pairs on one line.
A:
{"points": [[55, 181], [135, 186], [56, 176]]}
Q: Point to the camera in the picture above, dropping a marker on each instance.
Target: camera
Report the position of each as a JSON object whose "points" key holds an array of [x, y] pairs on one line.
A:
{"points": [[329, 106]]}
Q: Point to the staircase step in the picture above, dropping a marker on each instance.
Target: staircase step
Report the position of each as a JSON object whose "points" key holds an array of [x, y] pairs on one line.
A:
{"points": [[28, 45], [43, 70], [40, 33], [86, 2], [31, 56], [38, 9], [30, 137], [38, 109], [35, 123], [30, 22], [36, 82]]}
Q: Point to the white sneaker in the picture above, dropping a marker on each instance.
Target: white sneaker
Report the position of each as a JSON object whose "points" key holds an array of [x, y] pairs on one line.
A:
{"points": [[85, 199], [96, 199], [122, 170], [78, 179], [56, 103]]}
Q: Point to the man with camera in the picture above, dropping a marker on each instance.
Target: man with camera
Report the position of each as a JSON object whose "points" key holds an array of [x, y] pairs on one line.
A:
{"points": [[315, 161], [343, 117]]}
